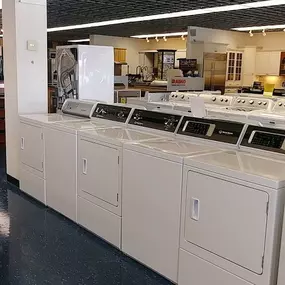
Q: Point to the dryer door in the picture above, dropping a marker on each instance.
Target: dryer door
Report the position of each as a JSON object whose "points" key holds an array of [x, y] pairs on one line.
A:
{"points": [[99, 173], [227, 219], [32, 147]]}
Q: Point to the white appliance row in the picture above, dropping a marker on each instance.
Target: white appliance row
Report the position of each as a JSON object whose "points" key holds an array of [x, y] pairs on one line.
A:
{"points": [[173, 192], [32, 149]]}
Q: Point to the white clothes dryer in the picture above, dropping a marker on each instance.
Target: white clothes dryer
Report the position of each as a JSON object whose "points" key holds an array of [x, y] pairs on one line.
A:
{"points": [[232, 209], [100, 159], [152, 185], [32, 144]]}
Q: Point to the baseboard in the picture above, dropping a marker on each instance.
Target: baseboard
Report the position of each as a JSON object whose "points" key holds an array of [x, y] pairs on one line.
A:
{"points": [[13, 180]]}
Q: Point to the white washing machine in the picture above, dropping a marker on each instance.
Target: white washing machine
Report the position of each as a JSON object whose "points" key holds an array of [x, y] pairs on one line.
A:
{"points": [[212, 101], [61, 141], [241, 108], [274, 117], [281, 271], [152, 185], [32, 146], [100, 158], [232, 210], [174, 98]]}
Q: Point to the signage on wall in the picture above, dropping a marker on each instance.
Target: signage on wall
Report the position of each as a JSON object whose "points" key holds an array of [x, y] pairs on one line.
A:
{"points": [[178, 82]]}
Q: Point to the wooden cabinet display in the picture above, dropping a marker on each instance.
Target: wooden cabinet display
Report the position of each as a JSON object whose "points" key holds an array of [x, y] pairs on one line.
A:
{"points": [[120, 55], [267, 63], [282, 63]]}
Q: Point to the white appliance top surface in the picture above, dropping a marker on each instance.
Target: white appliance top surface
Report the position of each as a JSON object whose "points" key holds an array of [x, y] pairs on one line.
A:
{"points": [[244, 166], [181, 148], [121, 135], [51, 118], [278, 116], [80, 125]]}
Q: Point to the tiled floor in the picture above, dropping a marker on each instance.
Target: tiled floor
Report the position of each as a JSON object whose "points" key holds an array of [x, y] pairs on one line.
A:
{"points": [[38, 247]]}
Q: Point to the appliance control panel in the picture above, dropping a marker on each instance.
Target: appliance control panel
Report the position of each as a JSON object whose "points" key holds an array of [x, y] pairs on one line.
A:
{"points": [[112, 113], [182, 96], [264, 139], [279, 106], [222, 100], [211, 129], [258, 103], [78, 108], [155, 120]]}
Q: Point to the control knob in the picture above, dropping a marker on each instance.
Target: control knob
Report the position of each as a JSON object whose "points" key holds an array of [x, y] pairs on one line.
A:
{"points": [[243, 101], [264, 103], [280, 104], [121, 115], [222, 100], [182, 97], [226, 100], [251, 102], [238, 100], [259, 103], [214, 99], [137, 117], [169, 123]]}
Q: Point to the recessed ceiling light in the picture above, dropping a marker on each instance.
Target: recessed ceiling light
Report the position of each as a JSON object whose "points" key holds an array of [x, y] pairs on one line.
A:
{"points": [[161, 35], [259, 28], [79, 41], [227, 8]]}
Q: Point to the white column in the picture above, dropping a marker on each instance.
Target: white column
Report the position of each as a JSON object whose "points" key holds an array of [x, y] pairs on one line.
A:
{"points": [[25, 68]]}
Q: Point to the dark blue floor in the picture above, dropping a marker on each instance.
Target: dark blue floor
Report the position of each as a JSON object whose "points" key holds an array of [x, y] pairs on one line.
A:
{"points": [[38, 246]]}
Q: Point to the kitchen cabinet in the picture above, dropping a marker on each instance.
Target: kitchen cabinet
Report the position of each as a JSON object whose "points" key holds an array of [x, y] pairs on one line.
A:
{"points": [[282, 63], [249, 62], [234, 68], [267, 63], [120, 55]]}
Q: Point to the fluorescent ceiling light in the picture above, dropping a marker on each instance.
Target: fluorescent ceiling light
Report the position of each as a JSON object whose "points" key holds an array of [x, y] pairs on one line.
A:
{"points": [[227, 8], [161, 35], [270, 27], [79, 41]]}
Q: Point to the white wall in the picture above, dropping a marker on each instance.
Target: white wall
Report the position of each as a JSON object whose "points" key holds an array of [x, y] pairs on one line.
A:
{"points": [[25, 71], [232, 39], [133, 47], [272, 41]]}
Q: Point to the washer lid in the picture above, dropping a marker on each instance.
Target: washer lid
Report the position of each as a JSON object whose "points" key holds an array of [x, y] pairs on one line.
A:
{"points": [[79, 125], [173, 150], [118, 135], [181, 148], [243, 166], [50, 118], [267, 117]]}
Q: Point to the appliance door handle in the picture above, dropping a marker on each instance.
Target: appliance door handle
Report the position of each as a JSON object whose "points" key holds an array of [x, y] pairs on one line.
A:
{"points": [[195, 209], [22, 143], [84, 170]]}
